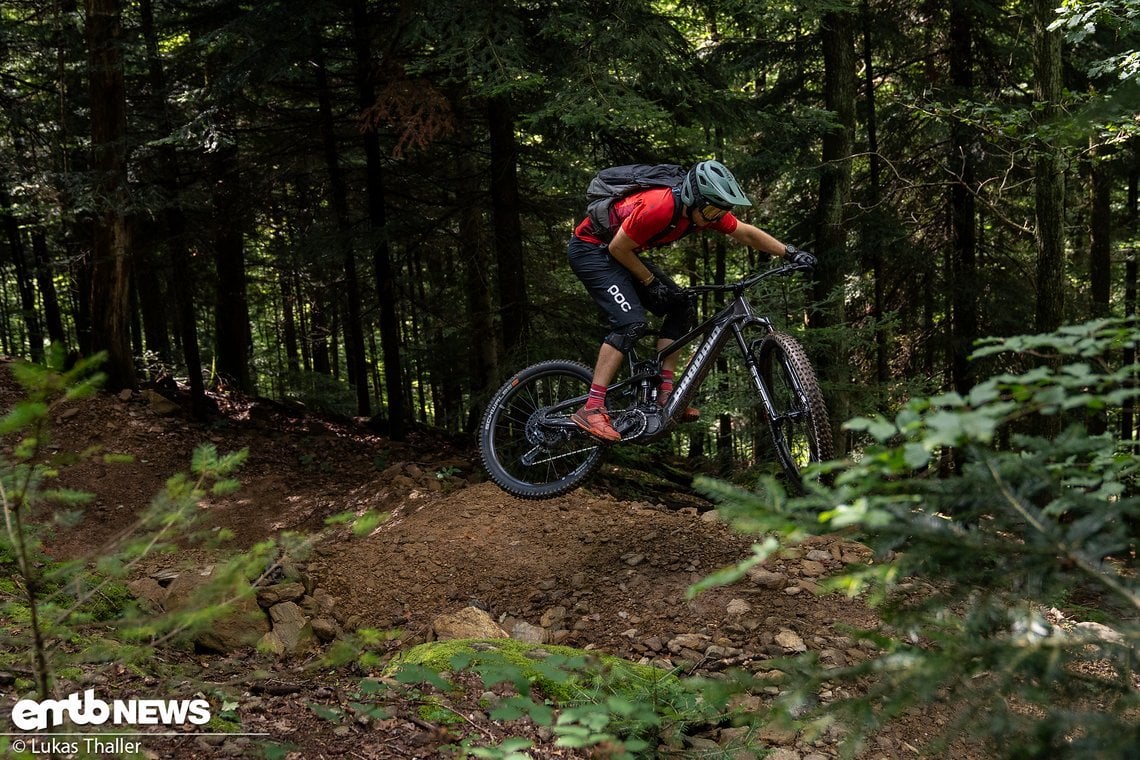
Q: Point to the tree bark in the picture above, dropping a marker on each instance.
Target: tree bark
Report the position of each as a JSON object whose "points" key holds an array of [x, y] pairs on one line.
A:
{"points": [[24, 281], [963, 264], [1128, 413], [52, 315], [111, 249], [882, 368], [353, 329], [233, 337], [474, 254], [1050, 176], [377, 217], [1101, 177], [513, 305], [838, 43]]}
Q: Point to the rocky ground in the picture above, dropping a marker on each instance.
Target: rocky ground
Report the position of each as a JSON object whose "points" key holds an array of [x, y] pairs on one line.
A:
{"points": [[588, 570]]}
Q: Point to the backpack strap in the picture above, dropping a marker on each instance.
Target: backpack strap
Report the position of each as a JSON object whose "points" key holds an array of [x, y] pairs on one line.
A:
{"points": [[604, 233], [677, 207]]}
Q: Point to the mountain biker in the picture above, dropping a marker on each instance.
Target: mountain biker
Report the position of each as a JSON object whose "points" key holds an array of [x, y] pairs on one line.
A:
{"points": [[625, 286]]}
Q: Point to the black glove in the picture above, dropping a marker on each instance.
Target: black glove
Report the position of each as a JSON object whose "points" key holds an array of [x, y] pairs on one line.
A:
{"points": [[665, 292], [800, 258]]}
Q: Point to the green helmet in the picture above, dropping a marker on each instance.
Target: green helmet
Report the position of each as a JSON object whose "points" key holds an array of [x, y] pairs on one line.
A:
{"points": [[712, 182]]}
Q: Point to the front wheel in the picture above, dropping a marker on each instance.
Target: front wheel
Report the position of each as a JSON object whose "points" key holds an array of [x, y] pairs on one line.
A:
{"points": [[801, 431], [528, 444]]}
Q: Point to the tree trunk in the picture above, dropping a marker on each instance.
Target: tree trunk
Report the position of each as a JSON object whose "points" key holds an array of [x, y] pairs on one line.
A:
{"points": [[837, 41], [233, 339], [513, 305], [174, 224], [111, 249], [1127, 416], [353, 328], [963, 264], [52, 315], [1101, 177], [1050, 184], [24, 280], [876, 244], [72, 158], [150, 287], [289, 328], [1100, 256], [474, 255], [319, 334], [377, 218]]}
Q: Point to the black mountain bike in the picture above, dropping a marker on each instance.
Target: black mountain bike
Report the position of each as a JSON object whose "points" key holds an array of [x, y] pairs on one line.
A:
{"points": [[532, 450]]}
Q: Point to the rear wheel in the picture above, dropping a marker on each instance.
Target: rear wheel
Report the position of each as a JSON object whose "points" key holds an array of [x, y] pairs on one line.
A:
{"points": [[801, 431], [528, 444]]}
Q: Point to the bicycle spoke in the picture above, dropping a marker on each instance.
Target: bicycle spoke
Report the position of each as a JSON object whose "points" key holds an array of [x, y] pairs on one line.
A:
{"points": [[527, 452]]}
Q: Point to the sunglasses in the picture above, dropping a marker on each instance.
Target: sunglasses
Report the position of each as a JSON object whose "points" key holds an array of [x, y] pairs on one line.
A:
{"points": [[711, 213]]}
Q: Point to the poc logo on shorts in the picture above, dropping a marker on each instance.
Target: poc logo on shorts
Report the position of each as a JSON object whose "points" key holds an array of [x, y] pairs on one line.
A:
{"points": [[619, 298]]}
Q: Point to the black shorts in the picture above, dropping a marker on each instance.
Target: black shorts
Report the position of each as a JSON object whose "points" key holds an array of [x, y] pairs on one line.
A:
{"points": [[624, 300]]}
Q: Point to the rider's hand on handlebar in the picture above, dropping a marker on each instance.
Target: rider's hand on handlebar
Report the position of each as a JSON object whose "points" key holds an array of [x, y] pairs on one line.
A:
{"points": [[800, 258], [665, 291]]}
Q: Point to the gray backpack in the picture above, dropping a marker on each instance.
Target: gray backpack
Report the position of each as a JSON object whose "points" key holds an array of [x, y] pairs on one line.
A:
{"points": [[617, 182]]}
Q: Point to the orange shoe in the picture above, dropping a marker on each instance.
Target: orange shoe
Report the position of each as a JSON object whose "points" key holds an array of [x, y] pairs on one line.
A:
{"points": [[690, 414], [597, 423]]}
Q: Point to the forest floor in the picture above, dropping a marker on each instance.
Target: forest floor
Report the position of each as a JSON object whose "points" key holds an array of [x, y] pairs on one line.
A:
{"points": [[606, 567]]}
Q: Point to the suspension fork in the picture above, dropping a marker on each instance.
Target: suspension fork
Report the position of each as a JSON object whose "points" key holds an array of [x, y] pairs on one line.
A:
{"points": [[750, 361]]}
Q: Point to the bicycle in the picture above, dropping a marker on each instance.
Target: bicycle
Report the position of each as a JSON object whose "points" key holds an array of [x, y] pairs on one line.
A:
{"points": [[532, 450]]}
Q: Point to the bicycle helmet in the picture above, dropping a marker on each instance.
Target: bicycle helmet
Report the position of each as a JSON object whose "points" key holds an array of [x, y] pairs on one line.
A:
{"points": [[712, 182]]}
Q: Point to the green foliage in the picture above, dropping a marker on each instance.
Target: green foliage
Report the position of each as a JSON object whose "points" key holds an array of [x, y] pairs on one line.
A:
{"points": [[59, 614], [320, 393], [588, 699], [970, 560]]}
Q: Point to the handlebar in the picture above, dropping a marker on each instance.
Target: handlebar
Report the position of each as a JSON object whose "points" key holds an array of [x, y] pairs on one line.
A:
{"points": [[784, 270]]}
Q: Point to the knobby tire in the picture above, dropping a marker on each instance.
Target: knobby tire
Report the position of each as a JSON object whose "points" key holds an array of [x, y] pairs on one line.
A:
{"points": [[563, 459], [801, 430]]}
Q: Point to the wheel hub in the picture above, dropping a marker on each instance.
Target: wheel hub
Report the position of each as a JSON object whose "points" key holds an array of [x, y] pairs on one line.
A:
{"points": [[539, 433]]}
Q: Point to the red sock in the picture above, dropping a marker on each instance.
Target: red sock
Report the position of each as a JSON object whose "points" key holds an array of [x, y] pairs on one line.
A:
{"points": [[597, 396], [666, 381]]}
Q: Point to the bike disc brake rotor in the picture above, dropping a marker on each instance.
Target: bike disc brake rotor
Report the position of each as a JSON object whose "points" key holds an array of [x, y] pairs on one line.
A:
{"points": [[540, 433]]}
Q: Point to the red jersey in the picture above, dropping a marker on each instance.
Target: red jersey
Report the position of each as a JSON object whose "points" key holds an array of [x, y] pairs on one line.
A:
{"points": [[647, 214]]}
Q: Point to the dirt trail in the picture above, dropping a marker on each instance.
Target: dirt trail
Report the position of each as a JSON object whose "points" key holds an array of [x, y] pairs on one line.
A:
{"points": [[591, 569]]}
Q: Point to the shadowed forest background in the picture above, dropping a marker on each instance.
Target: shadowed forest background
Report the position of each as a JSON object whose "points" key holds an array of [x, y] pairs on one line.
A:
{"points": [[364, 205]]}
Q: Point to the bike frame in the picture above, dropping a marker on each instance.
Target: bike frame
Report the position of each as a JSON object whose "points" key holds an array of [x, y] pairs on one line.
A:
{"points": [[718, 329], [729, 322]]}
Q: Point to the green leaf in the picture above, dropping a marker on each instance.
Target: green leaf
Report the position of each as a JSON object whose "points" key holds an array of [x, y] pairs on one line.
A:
{"points": [[117, 458], [916, 456], [728, 575], [204, 459], [368, 522], [223, 487], [417, 674], [325, 712], [372, 686], [23, 415]]}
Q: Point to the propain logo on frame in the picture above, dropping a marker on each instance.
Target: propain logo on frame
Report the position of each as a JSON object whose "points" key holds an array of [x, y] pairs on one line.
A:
{"points": [[89, 710]]}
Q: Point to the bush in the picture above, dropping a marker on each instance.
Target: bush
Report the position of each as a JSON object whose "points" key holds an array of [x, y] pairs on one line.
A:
{"points": [[55, 611], [984, 522]]}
